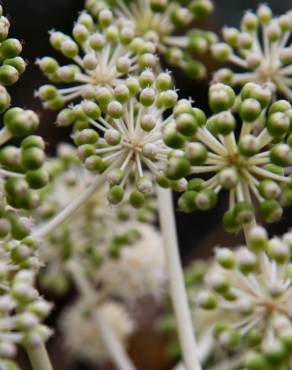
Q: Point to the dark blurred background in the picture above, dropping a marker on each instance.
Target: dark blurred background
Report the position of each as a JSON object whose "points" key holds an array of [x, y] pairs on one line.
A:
{"points": [[198, 232]]}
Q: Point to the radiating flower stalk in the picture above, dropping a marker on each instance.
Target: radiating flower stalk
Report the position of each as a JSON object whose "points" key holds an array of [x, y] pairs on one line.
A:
{"points": [[249, 291], [161, 22], [237, 155], [261, 47], [101, 55]]}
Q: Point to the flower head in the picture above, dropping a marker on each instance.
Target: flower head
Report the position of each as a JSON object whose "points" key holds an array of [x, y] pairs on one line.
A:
{"points": [[248, 293], [80, 318], [122, 134], [159, 22], [102, 55], [262, 47], [241, 148]]}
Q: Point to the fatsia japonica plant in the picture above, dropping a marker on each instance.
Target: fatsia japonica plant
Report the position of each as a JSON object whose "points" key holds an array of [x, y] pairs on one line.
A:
{"points": [[84, 221]]}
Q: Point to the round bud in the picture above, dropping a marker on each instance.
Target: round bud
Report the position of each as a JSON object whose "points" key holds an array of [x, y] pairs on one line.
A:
{"points": [[221, 51], [115, 194], [281, 155], [257, 238], [250, 110], [32, 158], [230, 223], [137, 199], [270, 210], [278, 124], [224, 123], [115, 109], [248, 145], [269, 189], [186, 124], [243, 212], [196, 153], [186, 201], [206, 199], [228, 178], [221, 97], [207, 300]]}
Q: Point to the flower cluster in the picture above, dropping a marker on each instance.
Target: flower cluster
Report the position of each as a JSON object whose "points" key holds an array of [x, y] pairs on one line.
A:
{"points": [[122, 134], [244, 147], [248, 293], [140, 266], [80, 318], [21, 311], [102, 55], [159, 22], [262, 46]]}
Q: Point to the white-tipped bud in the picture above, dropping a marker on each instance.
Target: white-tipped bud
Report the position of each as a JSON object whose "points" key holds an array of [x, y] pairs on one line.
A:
{"points": [[274, 31], [148, 122], [112, 137], [278, 250], [150, 150], [97, 41], [228, 178], [90, 61], [244, 306], [253, 60], [123, 65], [245, 40]]}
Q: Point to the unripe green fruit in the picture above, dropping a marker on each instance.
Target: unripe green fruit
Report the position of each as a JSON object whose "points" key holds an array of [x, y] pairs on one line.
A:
{"points": [[186, 201], [115, 194], [230, 223], [137, 199], [271, 211], [37, 178], [32, 158]]}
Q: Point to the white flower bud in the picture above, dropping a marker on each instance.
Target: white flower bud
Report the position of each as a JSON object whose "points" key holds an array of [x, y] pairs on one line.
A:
{"points": [[112, 137], [253, 60], [150, 150], [88, 92], [228, 178], [274, 31], [90, 61]]}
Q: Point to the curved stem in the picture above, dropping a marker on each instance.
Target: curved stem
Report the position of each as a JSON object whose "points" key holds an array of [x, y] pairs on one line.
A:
{"points": [[70, 208], [176, 279], [108, 337], [39, 357]]}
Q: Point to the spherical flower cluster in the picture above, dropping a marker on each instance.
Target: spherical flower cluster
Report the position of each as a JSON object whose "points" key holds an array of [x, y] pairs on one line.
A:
{"points": [[249, 293], [159, 21], [81, 334], [140, 266], [244, 148], [122, 134], [102, 55], [21, 311], [262, 47]]}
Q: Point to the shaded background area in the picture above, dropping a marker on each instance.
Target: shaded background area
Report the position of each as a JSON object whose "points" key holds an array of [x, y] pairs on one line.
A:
{"points": [[198, 232]]}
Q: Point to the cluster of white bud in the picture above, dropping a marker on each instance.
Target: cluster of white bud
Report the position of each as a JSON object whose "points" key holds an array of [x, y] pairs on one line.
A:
{"points": [[248, 294], [102, 56], [244, 146], [262, 47], [159, 21]]}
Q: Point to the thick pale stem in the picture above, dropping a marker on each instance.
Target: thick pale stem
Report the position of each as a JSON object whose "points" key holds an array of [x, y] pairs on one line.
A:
{"points": [[69, 209], [107, 335], [39, 357], [176, 281]]}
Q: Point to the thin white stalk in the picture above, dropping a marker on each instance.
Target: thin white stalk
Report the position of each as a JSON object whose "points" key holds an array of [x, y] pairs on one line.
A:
{"points": [[70, 208], [5, 135], [107, 335], [39, 357], [178, 293]]}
